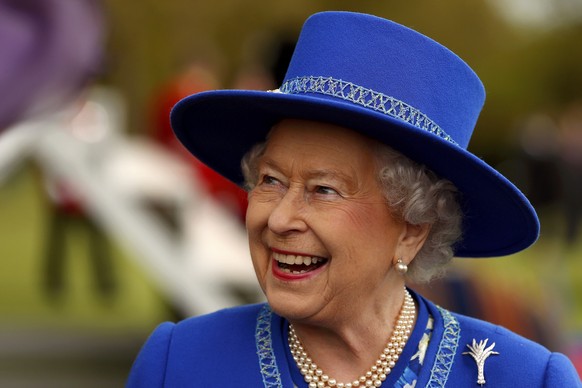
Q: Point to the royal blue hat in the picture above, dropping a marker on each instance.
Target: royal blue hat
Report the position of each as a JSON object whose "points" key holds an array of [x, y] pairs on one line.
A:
{"points": [[387, 82]]}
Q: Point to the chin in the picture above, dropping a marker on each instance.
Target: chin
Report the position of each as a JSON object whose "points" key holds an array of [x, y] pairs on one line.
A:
{"points": [[289, 306]]}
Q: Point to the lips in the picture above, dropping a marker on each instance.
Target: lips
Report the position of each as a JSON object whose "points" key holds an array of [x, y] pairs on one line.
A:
{"points": [[297, 264]]}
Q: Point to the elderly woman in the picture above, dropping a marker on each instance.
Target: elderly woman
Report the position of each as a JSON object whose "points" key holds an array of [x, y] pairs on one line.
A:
{"points": [[358, 179]]}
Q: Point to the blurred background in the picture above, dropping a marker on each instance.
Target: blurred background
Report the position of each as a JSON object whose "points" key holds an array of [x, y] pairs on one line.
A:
{"points": [[107, 227]]}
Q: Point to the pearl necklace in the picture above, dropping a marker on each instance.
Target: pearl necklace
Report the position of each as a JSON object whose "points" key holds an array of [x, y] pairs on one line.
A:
{"points": [[374, 377]]}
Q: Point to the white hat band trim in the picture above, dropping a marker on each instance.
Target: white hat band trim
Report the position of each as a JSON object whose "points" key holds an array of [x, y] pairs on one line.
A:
{"points": [[365, 97]]}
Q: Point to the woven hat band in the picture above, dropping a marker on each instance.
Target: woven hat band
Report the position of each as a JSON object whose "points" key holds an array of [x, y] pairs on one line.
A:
{"points": [[366, 98]]}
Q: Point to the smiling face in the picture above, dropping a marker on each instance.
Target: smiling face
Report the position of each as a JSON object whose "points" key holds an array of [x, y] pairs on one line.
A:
{"points": [[321, 235]]}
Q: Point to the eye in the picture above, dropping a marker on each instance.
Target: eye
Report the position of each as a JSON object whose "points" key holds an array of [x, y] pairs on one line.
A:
{"points": [[269, 180], [325, 190]]}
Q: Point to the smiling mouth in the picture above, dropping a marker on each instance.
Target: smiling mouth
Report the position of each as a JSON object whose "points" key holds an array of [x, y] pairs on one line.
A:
{"points": [[298, 265]]}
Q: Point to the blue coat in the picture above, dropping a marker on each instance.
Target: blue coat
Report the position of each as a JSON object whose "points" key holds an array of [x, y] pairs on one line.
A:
{"points": [[247, 347]]}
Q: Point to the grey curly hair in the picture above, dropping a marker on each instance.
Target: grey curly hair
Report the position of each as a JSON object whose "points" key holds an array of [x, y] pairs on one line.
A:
{"points": [[416, 195]]}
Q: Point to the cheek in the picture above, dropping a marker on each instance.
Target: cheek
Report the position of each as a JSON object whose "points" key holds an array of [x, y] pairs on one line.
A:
{"points": [[260, 261], [363, 217], [257, 214], [256, 222], [259, 254], [366, 229]]}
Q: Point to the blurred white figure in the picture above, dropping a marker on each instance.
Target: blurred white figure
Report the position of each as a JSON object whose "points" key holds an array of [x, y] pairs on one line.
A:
{"points": [[200, 258]]}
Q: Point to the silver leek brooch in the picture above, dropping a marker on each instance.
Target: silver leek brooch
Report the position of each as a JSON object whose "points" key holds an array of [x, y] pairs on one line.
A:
{"points": [[480, 354]]}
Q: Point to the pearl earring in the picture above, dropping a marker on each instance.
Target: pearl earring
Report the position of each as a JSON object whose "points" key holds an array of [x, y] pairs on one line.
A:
{"points": [[401, 268]]}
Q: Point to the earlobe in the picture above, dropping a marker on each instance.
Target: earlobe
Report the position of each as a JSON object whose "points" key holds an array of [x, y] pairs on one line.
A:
{"points": [[401, 267]]}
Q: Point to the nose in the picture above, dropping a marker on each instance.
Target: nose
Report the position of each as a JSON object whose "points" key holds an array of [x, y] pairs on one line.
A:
{"points": [[288, 215]]}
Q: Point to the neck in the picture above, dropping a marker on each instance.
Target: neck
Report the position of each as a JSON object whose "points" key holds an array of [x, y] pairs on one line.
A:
{"points": [[346, 348]]}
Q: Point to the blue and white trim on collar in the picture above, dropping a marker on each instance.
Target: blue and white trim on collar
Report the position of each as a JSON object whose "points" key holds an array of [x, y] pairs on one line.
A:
{"points": [[448, 345], [267, 360]]}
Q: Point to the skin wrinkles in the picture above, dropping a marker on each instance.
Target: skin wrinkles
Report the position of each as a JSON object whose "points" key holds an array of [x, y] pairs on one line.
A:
{"points": [[348, 186], [347, 309]]}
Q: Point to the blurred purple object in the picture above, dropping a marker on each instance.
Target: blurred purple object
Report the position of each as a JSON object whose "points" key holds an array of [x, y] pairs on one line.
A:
{"points": [[49, 50]]}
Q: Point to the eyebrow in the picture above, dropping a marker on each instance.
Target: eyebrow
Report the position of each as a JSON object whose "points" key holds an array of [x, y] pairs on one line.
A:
{"points": [[325, 173], [318, 173]]}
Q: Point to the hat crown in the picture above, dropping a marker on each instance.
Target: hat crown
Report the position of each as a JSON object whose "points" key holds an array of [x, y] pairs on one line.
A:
{"points": [[409, 74]]}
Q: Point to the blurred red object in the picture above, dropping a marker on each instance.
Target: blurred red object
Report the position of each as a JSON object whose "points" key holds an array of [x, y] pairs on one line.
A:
{"points": [[197, 78]]}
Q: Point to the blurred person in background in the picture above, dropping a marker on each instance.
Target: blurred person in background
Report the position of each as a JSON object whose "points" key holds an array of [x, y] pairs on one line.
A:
{"points": [[68, 209], [197, 77], [570, 164], [359, 182]]}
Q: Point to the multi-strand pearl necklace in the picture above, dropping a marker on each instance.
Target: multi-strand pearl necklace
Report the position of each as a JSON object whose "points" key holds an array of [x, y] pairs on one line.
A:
{"points": [[374, 377]]}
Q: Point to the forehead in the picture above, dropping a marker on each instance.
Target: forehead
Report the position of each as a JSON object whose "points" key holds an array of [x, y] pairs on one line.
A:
{"points": [[329, 145]]}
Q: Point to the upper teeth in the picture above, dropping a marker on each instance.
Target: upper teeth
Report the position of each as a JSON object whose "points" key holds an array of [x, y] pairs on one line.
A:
{"points": [[293, 259]]}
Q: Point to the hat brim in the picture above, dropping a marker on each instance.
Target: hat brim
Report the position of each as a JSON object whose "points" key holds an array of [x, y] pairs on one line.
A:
{"points": [[219, 127]]}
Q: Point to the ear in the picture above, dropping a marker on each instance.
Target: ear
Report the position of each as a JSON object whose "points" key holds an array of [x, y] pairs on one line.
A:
{"points": [[411, 241]]}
